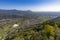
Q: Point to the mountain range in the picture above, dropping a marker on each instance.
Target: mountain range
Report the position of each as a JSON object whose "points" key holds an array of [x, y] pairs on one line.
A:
{"points": [[14, 11]]}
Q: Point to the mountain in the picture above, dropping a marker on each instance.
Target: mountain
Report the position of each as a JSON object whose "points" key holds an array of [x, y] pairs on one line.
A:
{"points": [[31, 24], [14, 11], [48, 30]]}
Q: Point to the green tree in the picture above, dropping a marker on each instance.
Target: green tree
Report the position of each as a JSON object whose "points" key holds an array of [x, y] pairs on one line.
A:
{"points": [[49, 31]]}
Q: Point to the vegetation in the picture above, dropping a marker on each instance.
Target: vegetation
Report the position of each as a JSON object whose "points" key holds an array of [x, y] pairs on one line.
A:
{"points": [[30, 26], [43, 31]]}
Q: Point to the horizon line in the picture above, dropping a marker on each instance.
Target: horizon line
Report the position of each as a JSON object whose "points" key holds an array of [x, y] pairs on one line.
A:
{"points": [[29, 10]]}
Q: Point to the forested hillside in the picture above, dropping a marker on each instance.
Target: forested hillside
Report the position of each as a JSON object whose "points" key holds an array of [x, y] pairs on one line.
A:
{"points": [[28, 25], [49, 30]]}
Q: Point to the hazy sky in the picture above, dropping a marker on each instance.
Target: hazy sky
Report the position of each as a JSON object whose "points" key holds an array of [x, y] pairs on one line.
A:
{"points": [[34, 5]]}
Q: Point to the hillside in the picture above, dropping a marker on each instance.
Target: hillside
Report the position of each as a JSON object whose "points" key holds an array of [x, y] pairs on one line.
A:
{"points": [[45, 31], [17, 22]]}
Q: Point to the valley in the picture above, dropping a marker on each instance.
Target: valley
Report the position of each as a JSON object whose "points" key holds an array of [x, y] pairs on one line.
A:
{"points": [[24, 25]]}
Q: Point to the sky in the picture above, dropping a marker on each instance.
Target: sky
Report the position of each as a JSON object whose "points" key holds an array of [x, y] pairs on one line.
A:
{"points": [[33, 5]]}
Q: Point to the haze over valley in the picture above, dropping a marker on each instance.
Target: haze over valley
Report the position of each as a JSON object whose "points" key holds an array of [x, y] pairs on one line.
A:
{"points": [[29, 19]]}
